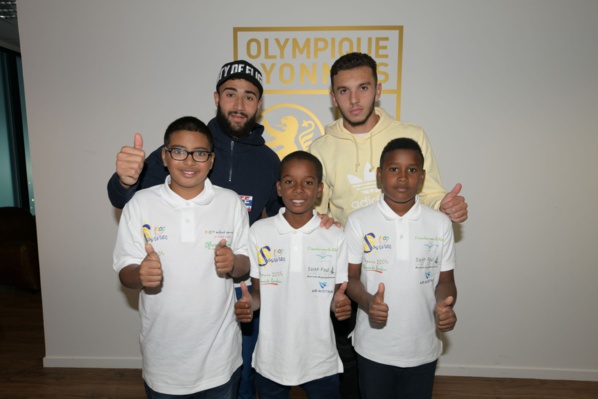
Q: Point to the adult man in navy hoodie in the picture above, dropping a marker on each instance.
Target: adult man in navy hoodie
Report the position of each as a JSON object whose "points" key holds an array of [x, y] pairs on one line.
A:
{"points": [[242, 163]]}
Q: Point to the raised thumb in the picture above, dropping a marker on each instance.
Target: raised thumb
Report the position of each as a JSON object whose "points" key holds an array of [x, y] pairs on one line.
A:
{"points": [[149, 249], [138, 141], [380, 293], [342, 289]]}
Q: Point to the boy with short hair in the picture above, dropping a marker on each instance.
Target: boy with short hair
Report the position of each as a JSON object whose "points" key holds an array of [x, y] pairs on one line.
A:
{"points": [[299, 274], [180, 243], [401, 261]]}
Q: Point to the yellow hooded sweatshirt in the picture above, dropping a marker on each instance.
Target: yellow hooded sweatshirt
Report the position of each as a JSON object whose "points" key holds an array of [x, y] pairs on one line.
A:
{"points": [[350, 164]]}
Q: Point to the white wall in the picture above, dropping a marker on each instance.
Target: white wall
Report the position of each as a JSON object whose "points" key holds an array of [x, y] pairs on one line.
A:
{"points": [[506, 90]]}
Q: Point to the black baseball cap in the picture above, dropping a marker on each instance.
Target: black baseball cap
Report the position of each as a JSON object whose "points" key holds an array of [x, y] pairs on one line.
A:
{"points": [[240, 69]]}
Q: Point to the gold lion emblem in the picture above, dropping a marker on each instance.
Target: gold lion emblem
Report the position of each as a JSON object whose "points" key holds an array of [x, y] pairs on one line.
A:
{"points": [[290, 127]]}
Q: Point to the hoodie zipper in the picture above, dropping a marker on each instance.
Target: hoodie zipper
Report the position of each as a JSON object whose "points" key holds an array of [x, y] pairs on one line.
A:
{"points": [[230, 169]]}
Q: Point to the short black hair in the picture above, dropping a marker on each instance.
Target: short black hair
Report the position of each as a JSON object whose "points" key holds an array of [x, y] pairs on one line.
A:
{"points": [[402, 143], [303, 156], [351, 61], [191, 124]]}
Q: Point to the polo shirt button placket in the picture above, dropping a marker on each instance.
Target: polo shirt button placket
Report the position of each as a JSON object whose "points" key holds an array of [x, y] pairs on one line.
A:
{"points": [[401, 228]]}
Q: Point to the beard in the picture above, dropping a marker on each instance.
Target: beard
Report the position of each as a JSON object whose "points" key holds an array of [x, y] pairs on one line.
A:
{"points": [[358, 122], [232, 129]]}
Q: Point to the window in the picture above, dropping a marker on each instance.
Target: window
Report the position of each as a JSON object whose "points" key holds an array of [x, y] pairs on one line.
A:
{"points": [[16, 186]]}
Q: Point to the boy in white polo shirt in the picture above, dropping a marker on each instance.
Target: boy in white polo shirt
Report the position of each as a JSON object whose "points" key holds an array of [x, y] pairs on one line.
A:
{"points": [[401, 261], [299, 274], [180, 243]]}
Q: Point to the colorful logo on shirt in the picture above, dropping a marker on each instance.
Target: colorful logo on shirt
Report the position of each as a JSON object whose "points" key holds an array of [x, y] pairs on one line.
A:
{"points": [[321, 254], [248, 201], [213, 237], [371, 243], [426, 262], [147, 232], [155, 234], [263, 256], [325, 288], [429, 243], [427, 279], [267, 255]]}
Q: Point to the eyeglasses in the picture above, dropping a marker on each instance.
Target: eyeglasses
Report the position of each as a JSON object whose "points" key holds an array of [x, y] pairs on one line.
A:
{"points": [[180, 154]]}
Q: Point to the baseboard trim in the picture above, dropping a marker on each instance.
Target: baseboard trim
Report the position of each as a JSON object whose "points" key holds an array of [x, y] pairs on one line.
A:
{"points": [[517, 372], [93, 362], [442, 370]]}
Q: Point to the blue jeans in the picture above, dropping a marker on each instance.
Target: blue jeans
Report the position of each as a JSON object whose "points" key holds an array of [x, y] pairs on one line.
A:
{"points": [[227, 390], [322, 388], [249, 333], [378, 380]]}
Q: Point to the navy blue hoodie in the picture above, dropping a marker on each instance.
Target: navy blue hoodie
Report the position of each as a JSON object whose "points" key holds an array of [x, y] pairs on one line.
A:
{"points": [[245, 165]]}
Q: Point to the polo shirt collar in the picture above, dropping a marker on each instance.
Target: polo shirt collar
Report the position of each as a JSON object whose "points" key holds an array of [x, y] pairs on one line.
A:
{"points": [[413, 213], [176, 201], [284, 227]]}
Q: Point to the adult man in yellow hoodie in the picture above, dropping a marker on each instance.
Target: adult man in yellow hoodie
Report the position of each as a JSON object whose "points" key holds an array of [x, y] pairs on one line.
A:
{"points": [[350, 152]]}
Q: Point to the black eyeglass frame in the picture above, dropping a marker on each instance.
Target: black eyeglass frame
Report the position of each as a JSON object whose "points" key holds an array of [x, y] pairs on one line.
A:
{"points": [[192, 153]]}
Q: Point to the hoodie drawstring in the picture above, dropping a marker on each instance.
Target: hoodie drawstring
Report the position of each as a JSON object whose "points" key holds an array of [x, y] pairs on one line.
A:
{"points": [[357, 164], [371, 153], [356, 153]]}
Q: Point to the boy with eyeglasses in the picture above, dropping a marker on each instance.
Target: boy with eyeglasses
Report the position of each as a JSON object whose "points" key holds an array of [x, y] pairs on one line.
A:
{"points": [[245, 165], [181, 243]]}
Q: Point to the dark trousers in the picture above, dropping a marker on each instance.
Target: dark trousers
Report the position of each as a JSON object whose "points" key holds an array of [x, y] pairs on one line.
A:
{"points": [[322, 388], [249, 333], [224, 391], [349, 379], [378, 380]]}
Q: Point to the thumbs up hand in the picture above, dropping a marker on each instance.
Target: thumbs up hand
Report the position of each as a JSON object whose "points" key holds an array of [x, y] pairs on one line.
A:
{"points": [[378, 310], [341, 304], [445, 315], [150, 270], [454, 205], [243, 306], [224, 258], [129, 162]]}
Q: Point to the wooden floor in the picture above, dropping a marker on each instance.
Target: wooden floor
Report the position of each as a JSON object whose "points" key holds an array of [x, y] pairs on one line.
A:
{"points": [[23, 377]]}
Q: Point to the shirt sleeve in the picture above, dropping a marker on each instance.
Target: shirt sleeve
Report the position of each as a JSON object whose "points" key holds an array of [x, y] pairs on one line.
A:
{"points": [[448, 248], [254, 267], [342, 264], [130, 242], [241, 229], [353, 236]]}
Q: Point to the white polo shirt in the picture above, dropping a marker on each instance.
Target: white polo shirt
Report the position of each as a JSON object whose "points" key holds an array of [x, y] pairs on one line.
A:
{"points": [[190, 338], [298, 271], [407, 254]]}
